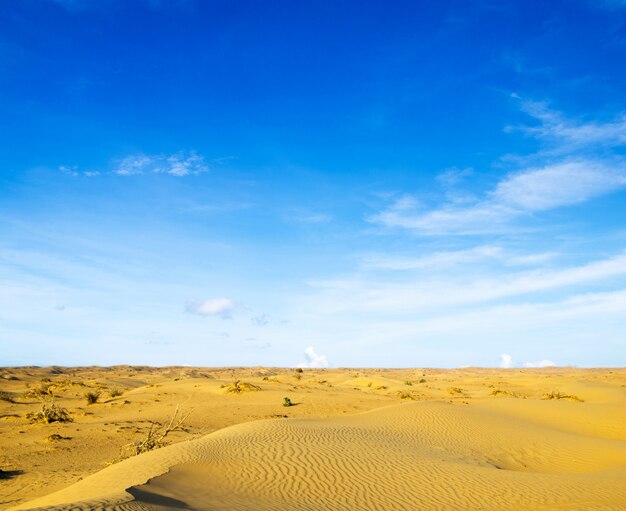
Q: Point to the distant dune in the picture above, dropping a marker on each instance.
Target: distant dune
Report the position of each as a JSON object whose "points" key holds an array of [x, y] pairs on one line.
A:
{"points": [[471, 439]]}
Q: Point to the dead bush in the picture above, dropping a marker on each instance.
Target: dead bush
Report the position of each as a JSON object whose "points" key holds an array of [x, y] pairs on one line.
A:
{"points": [[156, 435], [49, 413]]}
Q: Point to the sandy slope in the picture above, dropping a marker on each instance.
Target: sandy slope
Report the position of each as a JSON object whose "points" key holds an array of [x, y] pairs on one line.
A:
{"points": [[492, 443]]}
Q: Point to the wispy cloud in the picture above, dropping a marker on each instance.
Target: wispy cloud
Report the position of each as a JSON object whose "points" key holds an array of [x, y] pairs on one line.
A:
{"points": [[447, 259], [369, 294], [220, 307], [575, 166], [179, 164]]}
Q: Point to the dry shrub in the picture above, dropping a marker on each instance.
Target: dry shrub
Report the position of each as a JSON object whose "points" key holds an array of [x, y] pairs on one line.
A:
{"points": [[405, 395], [5, 396], [455, 390], [115, 392], [500, 392], [240, 386], [156, 435], [41, 391], [50, 412], [55, 437], [560, 395]]}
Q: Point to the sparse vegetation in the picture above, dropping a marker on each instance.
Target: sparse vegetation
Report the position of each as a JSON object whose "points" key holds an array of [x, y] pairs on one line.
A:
{"points": [[405, 395], [299, 370], [156, 435], [500, 392], [115, 392], [422, 380], [455, 390], [49, 413], [41, 391], [92, 396], [240, 386], [560, 395], [5, 396], [287, 402], [55, 437], [408, 382]]}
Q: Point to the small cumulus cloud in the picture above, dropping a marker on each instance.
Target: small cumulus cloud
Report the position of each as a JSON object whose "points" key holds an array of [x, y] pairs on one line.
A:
{"points": [[219, 307], [540, 363], [313, 359], [506, 361]]}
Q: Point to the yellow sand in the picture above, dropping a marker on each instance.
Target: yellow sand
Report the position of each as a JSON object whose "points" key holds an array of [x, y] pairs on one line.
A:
{"points": [[469, 439]]}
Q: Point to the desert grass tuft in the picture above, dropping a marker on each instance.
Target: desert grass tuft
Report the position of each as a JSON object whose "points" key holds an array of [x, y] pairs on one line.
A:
{"points": [[92, 397]]}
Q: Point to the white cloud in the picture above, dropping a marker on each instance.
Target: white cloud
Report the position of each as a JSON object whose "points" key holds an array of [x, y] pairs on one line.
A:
{"points": [[313, 359], [567, 135], [220, 307], [435, 260], [517, 195], [506, 361], [417, 294], [540, 363], [576, 165], [180, 164], [557, 185], [447, 259]]}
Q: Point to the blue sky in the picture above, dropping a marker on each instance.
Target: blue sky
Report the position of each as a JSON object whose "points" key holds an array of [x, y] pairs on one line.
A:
{"points": [[315, 183]]}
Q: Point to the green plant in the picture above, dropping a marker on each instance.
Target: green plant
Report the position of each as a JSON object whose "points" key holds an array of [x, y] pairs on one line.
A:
{"points": [[92, 396], [422, 380], [287, 402], [408, 383]]}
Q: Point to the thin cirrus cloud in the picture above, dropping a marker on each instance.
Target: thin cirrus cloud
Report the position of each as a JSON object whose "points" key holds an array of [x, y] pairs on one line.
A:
{"points": [[179, 164], [419, 294], [447, 259], [574, 166], [517, 195], [217, 307]]}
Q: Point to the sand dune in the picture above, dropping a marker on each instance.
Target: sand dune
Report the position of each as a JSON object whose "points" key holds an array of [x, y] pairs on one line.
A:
{"points": [[479, 450]]}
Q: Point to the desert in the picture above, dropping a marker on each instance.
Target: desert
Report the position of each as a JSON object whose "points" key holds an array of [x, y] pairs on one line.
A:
{"points": [[428, 439]]}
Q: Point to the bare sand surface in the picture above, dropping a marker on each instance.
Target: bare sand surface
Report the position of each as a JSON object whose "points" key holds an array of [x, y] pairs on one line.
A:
{"points": [[380, 439]]}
